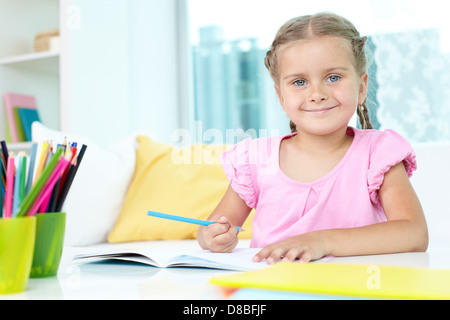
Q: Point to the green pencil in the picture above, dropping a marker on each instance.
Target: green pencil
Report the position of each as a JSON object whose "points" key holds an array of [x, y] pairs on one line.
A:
{"points": [[23, 168], [39, 185]]}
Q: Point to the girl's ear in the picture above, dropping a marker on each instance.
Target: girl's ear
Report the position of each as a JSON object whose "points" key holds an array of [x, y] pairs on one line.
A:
{"points": [[363, 88], [280, 96]]}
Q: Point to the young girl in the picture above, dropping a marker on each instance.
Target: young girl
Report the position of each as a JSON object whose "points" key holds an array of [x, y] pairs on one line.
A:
{"points": [[325, 189]]}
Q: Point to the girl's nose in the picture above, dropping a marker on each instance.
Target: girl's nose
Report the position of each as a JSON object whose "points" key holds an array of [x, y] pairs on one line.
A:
{"points": [[318, 94]]}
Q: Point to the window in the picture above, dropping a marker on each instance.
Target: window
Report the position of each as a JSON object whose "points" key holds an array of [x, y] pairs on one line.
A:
{"points": [[409, 53]]}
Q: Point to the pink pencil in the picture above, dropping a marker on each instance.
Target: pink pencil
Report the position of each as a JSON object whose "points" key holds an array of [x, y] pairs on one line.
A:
{"points": [[44, 204], [47, 191], [10, 170]]}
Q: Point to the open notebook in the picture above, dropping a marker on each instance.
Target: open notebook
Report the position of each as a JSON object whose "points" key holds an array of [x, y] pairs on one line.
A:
{"points": [[239, 260]]}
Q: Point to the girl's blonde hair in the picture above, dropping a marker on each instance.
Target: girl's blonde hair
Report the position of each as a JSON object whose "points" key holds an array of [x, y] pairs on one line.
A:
{"points": [[312, 26]]}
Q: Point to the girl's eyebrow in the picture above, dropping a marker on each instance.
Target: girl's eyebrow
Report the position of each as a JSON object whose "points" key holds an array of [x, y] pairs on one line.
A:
{"points": [[294, 75], [336, 69]]}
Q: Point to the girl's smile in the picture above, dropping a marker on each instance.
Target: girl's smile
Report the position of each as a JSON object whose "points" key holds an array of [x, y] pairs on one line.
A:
{"points": [[319, 110]]}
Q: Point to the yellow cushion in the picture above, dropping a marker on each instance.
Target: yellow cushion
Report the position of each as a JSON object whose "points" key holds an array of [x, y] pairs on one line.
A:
{"points": [[187, 181]]}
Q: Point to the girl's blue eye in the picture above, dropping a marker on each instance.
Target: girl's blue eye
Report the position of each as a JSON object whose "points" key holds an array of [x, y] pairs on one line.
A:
{"points": [[299, 83], [333, 78]]}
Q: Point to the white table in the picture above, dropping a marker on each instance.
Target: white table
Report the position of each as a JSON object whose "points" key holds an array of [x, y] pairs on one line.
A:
{"points": [[123, 281]]}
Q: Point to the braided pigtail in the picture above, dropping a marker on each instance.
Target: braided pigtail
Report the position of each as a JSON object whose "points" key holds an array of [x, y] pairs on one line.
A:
{"points": [[363, 115]]}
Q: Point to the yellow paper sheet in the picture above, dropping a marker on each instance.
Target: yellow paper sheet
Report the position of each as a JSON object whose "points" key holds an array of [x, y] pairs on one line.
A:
{"points": [[371, 281]]}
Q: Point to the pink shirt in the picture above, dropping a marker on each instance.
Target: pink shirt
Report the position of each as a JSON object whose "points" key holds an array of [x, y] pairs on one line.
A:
{"points": [[346, 197]]}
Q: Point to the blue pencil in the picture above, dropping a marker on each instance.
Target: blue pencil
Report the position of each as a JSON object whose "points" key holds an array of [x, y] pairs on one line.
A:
{"points": [[31, 167], [183, 219]]}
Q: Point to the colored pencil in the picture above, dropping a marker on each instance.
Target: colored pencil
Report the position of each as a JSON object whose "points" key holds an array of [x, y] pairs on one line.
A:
{"points": [[3, 173], [3, 186], [42, 160], [24, 194], [37, 188], [4, 152], [54, 177], [64, 175], [18, 181], [23, 174], [31, 167], [51, 206], [4, 161], [70, 177], [182, 219], [46, 201], [9, 187]]}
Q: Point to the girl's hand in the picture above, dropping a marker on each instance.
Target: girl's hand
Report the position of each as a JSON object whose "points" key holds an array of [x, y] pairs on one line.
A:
{"points": [[218, 237], [305, 247]]}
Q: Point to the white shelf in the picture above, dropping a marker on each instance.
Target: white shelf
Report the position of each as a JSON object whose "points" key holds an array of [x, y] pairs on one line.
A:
{"points": [[24, 71], [29, 57], [43, 61]]}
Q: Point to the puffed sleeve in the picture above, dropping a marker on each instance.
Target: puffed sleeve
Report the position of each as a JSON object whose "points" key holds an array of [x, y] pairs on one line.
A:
{"points": [[238, 169], [389, 150]]}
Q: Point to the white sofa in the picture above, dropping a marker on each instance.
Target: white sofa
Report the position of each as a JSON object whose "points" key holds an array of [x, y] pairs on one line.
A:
{"points": [[98, 192]]}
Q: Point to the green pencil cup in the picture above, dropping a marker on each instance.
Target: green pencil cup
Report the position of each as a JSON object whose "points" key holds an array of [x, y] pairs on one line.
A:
{"points": [[17, 238], [50, 229]]}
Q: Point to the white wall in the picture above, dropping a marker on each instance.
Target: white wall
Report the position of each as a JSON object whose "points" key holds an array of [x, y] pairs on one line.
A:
{"points": [[430, 182], [153, 69], [123, 69]]}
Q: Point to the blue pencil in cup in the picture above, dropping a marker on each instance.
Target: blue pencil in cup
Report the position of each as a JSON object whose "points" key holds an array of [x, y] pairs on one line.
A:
{"points": [[184, 219]]}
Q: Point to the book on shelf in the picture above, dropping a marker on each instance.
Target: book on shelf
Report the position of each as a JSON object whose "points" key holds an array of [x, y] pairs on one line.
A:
{"points": [[26, 117], [21, 112]]}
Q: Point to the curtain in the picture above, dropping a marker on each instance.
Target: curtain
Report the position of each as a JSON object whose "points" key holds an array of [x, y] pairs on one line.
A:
{"points": [[414, 91]]}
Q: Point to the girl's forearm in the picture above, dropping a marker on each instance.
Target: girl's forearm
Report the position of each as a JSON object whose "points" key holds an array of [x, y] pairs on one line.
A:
{"points": [[382, 238]]}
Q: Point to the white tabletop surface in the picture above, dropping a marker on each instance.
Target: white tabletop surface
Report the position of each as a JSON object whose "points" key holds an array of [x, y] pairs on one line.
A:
{"points": [[122, 281]]}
